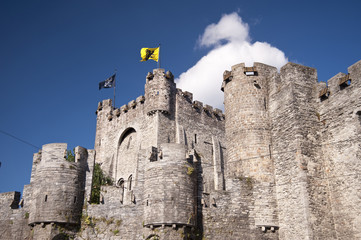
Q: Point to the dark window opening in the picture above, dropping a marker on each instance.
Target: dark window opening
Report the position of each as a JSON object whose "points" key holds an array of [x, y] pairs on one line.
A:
{"points": [[324, 94], [120, 183], [359, 116], [265, 104], [74, 199], [130, 139], [323, 97], [195, 138], [345, 81], [46, 198], [250, 71], [130, 183], [345, 84], [125, 134]]}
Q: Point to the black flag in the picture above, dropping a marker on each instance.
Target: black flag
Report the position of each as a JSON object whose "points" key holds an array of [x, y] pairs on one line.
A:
{"points": [[109, 83]]}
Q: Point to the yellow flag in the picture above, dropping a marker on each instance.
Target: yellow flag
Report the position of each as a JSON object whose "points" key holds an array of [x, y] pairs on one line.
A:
{"points": [[149, 53]]}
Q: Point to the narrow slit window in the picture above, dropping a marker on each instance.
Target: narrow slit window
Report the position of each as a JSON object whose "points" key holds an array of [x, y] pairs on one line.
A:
{"points": [[121, 186], [130, 183], [265, 103], [74, 199], [46, 198], [195, 138]]}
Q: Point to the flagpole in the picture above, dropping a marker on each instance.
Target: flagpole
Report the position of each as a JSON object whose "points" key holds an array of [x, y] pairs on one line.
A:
{"points": [[159, 56], [115, 77]]}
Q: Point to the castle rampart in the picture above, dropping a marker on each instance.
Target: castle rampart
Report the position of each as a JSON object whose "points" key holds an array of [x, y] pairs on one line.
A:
{"points": [[281, 163], [339, 115]]}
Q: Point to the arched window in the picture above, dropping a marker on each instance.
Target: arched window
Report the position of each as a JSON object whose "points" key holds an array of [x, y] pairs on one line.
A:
{"points": [[152, 237], [127, 154], [120, 184], [130, 183], [125, 134]]}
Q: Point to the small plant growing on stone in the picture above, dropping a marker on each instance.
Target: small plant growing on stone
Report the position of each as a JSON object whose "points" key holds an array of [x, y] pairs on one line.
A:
{"points": [[118, 222], [70, 156], [109, 221], [249, 182], [190, 170], [318, 116], [87, 220], [26, 216]]}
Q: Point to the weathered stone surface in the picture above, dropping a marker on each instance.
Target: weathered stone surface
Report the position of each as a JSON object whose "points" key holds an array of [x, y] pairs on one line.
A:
{"points": [[283, 162]]}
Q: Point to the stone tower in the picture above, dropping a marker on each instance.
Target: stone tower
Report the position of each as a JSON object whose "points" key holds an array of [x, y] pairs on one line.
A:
{"points": [[159, 92], [58, 188], [248, 135], [169, 188], [283, 162]]}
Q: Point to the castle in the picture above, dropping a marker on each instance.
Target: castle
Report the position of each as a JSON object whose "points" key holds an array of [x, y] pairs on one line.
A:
{"points": [[281, 162]]}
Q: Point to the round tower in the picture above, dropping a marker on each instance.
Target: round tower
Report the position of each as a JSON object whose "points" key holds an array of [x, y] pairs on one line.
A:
{"points": [[159, 89], [248, 137], [58, 186], [169, 188], [247, 125]]}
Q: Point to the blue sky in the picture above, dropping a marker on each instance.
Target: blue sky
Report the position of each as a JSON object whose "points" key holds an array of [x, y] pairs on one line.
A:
{"points": [[53, 54]]}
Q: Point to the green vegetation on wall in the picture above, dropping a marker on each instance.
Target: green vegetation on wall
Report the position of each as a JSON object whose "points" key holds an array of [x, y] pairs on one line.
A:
{"points": [[70, 156], [99, 179]]}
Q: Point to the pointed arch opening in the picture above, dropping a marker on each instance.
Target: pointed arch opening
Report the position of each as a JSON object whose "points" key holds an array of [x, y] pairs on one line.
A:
{"points": [[130, 182], [120, 184], [127, 157]]}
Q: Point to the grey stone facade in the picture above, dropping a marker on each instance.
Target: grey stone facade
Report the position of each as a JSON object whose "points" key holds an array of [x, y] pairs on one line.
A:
{"points": [[282, 162]]}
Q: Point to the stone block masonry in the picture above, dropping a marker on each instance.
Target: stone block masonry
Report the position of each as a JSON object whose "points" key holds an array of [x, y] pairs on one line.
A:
{"points": [[282, 162]]}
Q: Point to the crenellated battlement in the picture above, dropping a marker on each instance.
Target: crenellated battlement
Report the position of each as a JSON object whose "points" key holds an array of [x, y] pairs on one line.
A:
{"points": [[200, 107], [248, 75], [282, 165], [56, 154], [105, 107], [62, 203], [340, 83]]}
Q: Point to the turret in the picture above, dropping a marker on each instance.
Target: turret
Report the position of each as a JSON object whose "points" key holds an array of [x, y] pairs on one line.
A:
{"points": [[160, 90], [248, 136], [58, 186], [169, 187], [247, 124]]}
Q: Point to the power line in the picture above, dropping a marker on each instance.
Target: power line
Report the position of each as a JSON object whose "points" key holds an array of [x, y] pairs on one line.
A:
{"points": [[26, 142], [19, 139]]}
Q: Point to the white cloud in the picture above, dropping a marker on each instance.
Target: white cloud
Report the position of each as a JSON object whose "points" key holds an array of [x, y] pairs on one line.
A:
{"points": [[231, 45]]}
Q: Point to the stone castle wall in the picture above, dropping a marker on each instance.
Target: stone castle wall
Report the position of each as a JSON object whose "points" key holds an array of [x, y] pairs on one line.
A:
{"points": [[281, 163], [340, 119]]}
